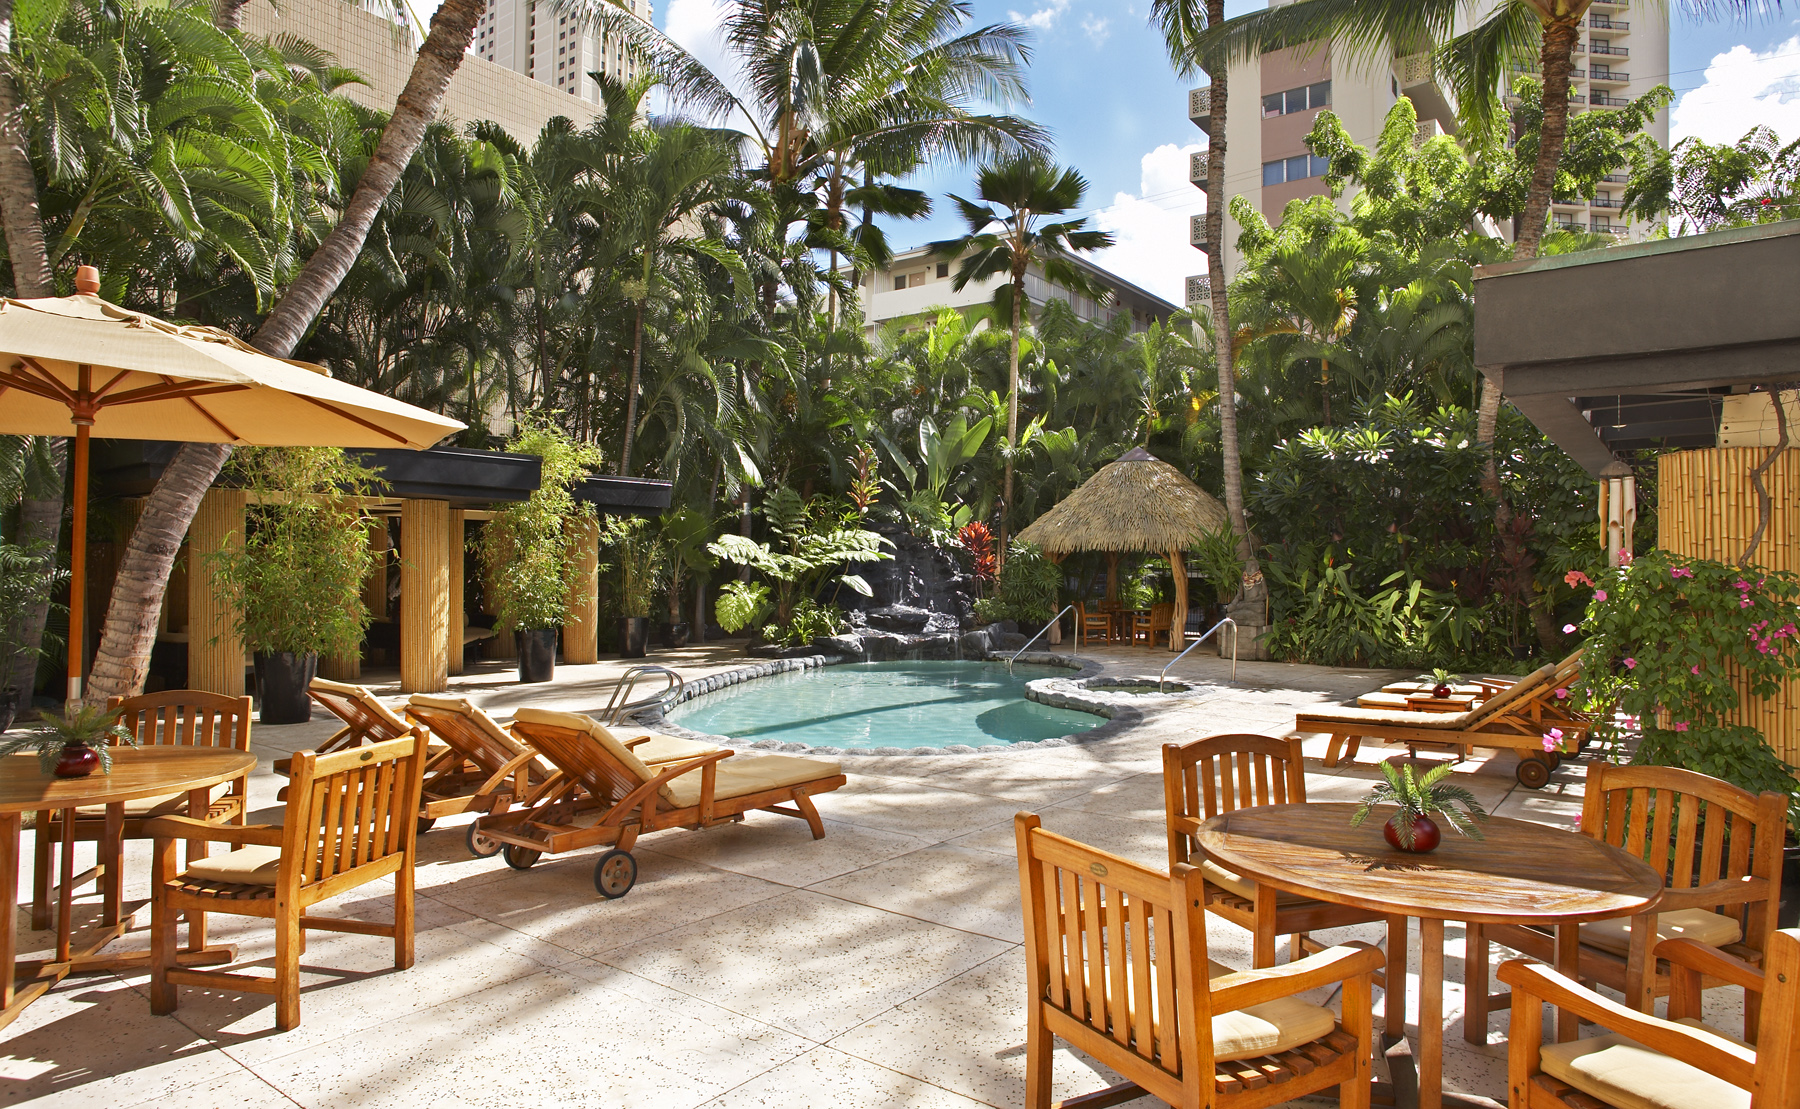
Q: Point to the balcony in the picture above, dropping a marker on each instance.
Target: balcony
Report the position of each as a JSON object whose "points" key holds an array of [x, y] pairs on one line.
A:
{"points": [[1602, 227], [1197, 232], [1609, 76], [1197, 169], [1601, 23], [1608, 48], [1427, 130], [1601, 100], [1532, 70], [1199, 289], [1607, 202], [1414, 69], [1613, 4], [1200, 108], [1616, 178]]}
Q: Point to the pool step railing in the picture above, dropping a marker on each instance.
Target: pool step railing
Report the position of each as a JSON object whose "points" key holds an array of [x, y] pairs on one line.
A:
{"points": [[1045, 630], [622, 705], [1204, 636]]}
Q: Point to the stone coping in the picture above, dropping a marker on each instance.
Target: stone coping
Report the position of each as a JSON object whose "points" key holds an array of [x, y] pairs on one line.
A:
{"points": [[1121, 715]]}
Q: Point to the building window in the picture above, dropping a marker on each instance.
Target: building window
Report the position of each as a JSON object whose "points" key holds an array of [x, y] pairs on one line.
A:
{"points": [[1298, 168], [1301, 99], [943, 269], [899, 282]]}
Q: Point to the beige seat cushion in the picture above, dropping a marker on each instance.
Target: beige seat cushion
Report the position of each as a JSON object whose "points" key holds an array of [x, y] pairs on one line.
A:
{"points": [[1272, 1026], [740, 776], [659, 748], [1686, 924], [364, 698], [1629, 1075], [254, 865], [144, 806], [481, 721], [594, 730]]}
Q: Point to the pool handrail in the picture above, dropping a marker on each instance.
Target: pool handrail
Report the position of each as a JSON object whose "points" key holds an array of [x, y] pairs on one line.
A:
{"points": [[1054, 621], [621, 705], [1203, 638]]}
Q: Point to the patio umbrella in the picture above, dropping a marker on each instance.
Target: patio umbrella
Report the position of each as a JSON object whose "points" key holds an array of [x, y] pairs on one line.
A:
{"points": [[119, 374]]}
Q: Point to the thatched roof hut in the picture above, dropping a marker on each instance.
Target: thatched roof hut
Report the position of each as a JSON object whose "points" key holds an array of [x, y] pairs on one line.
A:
{"points": [[1139, 503]]}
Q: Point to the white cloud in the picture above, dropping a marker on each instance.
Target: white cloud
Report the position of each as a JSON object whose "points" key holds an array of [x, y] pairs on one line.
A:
{"points": [[1743, 89], [697, 27], [1045, 17], [1151, 228], [1098, 28]]}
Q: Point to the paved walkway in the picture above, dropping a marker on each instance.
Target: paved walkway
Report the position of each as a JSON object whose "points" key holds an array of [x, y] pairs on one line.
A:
{"points": [[751, 966]]}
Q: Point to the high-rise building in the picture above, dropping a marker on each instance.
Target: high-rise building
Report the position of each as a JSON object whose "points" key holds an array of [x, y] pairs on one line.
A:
{"points": [[535, 39], [916, 283], [1277, 96]]}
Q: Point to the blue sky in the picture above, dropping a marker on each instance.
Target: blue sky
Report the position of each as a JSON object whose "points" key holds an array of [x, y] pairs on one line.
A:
{"points": [[1102, 82]]}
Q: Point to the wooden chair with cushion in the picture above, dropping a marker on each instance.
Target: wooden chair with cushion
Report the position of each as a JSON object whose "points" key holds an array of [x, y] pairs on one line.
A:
{"points": [[366, 719], [176, 718], [1162, 620], [1643, 1062], [482, 768], [604, 795], [1095, 627], [349, 821], [1721, 848], [1140, 629], [1224, 773], [1115, 956]]}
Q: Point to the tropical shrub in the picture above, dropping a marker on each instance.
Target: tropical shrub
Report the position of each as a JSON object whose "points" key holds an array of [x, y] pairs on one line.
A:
{"points": [[742, 605], [978, 543], [809, 543], [642, 562], [28, 575], [1028, 587], [807, 622], [526, 548]]}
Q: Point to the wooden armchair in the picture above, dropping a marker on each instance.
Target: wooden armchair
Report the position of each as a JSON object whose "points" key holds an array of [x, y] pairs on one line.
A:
{"points": [[350, 821], [1116, 960], [1095, 627], [1677, 1063], [180, 717], [1224, 773], [1162, 622], [1719, 845]]}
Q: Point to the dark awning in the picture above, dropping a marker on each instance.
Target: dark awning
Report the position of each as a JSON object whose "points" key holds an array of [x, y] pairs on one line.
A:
{"points": [[1636, 346]]}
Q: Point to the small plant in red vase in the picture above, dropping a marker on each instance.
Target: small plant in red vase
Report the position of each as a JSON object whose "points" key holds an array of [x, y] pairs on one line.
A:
{"points": [[1446, 683], [74, 744], [979, 542], [1412, 829]]}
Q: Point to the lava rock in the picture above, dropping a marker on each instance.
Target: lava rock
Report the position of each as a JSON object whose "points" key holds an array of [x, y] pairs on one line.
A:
{"points": [[1008, 641], [885, 648], [975, 644], [849, 646], [899, 618]]}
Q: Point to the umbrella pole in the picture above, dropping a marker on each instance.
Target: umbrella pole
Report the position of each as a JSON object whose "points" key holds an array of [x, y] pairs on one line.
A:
{"points": [[77, 642]]}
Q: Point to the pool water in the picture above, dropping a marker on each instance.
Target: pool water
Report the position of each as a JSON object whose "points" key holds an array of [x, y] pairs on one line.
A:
{"points": [[887, 704]]}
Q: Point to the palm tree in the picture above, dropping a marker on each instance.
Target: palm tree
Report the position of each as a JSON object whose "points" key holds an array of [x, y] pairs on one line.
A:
{"points": [[1008, 243], [1310, 287]]}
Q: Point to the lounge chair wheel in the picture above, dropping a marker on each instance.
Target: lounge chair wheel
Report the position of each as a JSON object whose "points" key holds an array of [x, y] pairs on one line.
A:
{"points": [[1534, 771], [479, 845], [426, 823], [521, 858], [615, 874]]}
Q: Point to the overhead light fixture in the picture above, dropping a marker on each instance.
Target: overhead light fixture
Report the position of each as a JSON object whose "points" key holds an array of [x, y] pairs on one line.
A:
{"points": [[1618, 413]]}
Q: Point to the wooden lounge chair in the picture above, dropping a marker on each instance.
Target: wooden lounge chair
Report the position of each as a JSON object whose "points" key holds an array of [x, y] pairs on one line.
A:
{"points": [[1516, 717], [350, 822], [1224, 773], [1115, 954], [177, 718], [366, 719], [480, 768], [1677, 1063], [603, 795], [1721, 848]]}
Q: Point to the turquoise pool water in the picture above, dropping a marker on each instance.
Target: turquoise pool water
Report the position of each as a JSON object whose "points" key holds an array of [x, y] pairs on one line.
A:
{"points": [[887, 704]]}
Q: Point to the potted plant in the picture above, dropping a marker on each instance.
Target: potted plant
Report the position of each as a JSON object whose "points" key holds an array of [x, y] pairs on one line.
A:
{"points": [[684, 536], [1446, 682], [296, 577], [526, 549], [27, 576], [75, 743], [1412, 829], [640, 561]]}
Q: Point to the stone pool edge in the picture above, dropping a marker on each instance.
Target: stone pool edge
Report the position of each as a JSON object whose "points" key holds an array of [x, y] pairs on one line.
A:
{"points": [[1056, 692]]}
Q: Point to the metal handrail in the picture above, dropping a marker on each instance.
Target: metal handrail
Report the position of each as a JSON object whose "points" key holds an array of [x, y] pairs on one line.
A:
{"points": [[1045, 630], [621, 704], [1203, 638]]}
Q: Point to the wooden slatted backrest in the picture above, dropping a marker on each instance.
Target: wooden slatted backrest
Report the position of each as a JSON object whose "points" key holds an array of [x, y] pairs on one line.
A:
{"points": [[473, 734], [351, 809], [1696, 830], [1115, 948], [576, 745], [1776, 1080], [186, 718], [1224, 773], [366, 720]]}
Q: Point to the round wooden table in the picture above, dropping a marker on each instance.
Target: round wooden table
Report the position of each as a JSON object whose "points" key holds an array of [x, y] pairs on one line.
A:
{"points": [[154, 771], [1521, 873]]}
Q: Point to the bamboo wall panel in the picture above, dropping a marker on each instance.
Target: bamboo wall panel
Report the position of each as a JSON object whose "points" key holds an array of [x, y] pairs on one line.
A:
{"points": [[215, 650], [347, 667], [458, 617], [1707, 508], [581, 628], [424, 596]]}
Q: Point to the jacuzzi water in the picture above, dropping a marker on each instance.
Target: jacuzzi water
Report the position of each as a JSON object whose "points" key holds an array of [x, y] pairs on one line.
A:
{"points": [[887, 704]]}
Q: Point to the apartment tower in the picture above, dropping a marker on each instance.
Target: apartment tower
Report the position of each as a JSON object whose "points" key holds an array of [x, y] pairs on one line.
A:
{"points": [[549, 46]]}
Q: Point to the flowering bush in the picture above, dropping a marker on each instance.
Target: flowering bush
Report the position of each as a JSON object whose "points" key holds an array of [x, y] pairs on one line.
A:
{"points": [[1666, 635]]}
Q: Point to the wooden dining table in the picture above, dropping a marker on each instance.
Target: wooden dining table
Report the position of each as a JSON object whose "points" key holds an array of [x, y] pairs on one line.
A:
{"points": [[1520, 873], [136, 773]]}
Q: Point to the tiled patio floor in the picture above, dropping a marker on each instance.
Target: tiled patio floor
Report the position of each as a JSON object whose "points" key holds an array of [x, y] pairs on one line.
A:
{"points": [[751, 966]]}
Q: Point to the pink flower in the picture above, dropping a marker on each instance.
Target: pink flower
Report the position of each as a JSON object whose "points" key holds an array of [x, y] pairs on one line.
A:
{"points": [[1568, 629], [1576, 577], [1631, 664], [1599, 594], [1745, 603], [1680, 572], [1562, 694], [1629, 721], [1552, 739], [1742, 584], [1577, 822], [1696, 668], [1625, 558], [1681, 725]]}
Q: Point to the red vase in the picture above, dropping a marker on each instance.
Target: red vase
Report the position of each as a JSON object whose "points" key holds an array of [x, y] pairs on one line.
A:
{"points": [[78, 760], [1441, 690], [1425, 834]]}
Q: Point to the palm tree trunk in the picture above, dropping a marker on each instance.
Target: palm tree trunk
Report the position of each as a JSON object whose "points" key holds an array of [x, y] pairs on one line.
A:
{"points": [[24, 227], [1325, 387], [130, 629], [631, 392], [1012, 419], [1558, 59], [40, 522], [228, 14]]}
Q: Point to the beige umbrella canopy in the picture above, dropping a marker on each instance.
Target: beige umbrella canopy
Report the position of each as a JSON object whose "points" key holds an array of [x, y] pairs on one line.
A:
{"points": [[1138, 503], [120, 374]]}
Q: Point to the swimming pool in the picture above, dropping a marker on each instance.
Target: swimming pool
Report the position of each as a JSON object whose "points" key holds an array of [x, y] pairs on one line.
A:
{"points": [[887, 704]]}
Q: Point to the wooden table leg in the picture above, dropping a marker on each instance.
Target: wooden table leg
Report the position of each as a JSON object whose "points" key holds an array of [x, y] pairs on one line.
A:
{"points": [[1431, 1013], [112, 861], [10, 828], [65, 891], [199, 802], [1568, 961], [1394, 997]]}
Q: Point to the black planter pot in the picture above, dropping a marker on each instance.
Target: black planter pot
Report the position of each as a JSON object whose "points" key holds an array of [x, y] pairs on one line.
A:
{"points": [[537, 654], [674, 635], [9, 707], [283, 677], [634, 636]]}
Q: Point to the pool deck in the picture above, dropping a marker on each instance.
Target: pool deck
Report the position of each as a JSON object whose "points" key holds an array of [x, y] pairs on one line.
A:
{"points": [[750, 966]]}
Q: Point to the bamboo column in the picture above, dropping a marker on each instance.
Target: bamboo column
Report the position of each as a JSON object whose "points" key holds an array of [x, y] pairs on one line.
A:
{"points": [[458, 617], [581, 628], [424, 596], [215, 649], [1177, 618]]}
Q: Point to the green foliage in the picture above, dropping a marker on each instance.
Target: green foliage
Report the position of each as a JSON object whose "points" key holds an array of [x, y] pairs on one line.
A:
{"points": [[1422, 796], [86, 725], [296, 577], [526, 549], [28, 576], [809, 621], [1214, 555], [809, 544], [642, 560], [684, 536], [742, 605], [1029, 587], [1707, 187]]}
